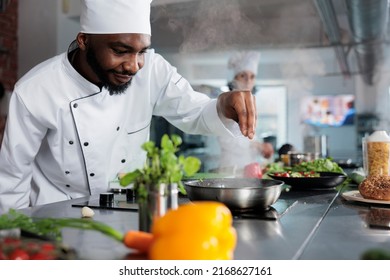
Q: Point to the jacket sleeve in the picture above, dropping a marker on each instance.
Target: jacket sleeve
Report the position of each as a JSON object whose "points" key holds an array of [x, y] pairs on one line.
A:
{"points": [[191, 111], [21, 142]]}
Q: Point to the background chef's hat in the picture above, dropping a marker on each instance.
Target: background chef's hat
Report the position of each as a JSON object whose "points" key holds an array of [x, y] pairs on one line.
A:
{"points": [[244, 61], [115, 16]]}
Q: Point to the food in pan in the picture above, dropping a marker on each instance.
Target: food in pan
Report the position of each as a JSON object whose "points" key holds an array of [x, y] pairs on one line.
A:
{"points": [[375, 187]]}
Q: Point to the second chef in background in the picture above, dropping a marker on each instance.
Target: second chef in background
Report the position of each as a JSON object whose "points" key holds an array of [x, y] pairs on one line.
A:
{"points": [[237, 153]]}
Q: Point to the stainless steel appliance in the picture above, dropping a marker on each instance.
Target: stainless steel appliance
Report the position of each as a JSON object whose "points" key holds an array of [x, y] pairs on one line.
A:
{"points": [[317, 145]]}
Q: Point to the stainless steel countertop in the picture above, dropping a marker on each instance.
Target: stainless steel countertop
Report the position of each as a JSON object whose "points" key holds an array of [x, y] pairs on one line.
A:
{"points": [[318, 225]]}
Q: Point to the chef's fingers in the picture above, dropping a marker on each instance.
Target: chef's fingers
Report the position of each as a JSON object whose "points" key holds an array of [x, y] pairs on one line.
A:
{"points": [[247, 118], [239, 106]]}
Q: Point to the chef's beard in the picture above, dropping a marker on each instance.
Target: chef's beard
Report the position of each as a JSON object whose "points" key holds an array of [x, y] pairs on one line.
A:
{"points": [[101, 73]]}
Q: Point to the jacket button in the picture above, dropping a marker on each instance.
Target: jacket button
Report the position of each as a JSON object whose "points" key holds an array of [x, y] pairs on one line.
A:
{"points": [[71, 142], [67, 172], [86, 144], [123, 160], [75, 105], [117, 129], [68, 186], [92, 174]]}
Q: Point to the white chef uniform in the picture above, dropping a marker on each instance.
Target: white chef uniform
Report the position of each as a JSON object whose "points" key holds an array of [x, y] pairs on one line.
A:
{"points": [[240, 151], [74, 138]]}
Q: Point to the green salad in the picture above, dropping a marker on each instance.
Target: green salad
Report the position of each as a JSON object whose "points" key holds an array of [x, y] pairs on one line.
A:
{"points": [[317, 165]]}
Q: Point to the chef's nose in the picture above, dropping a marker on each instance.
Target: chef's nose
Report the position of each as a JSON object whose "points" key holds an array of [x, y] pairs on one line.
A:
{"points": [[132, 64]]}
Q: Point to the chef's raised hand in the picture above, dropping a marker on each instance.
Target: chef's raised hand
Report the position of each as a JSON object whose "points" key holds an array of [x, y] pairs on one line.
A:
{"points": [[239, 106]]}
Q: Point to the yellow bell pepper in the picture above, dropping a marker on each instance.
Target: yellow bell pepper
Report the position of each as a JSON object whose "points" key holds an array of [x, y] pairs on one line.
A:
{"points": [[195, 231]]}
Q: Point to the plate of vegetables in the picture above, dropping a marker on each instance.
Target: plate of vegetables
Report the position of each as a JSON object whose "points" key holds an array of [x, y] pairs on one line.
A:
{"points": [[322, 173], [306, 180]]}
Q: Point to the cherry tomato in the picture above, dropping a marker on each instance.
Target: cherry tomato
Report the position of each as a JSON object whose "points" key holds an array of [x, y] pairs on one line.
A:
{"points": [[42, 256], [11, 241], [19, 254], [32, 246], [282, 174], [2, 256], [48, 247]]}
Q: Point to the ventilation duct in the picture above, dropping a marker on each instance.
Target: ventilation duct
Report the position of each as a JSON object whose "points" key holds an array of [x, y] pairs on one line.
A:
{"points": [[368, 22], [328, 16]]}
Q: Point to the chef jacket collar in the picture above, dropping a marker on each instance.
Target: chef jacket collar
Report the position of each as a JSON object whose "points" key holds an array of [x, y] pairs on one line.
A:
{"points": [[90, 88]]}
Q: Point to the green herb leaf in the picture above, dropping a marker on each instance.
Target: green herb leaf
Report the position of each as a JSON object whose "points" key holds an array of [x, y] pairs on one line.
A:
{"points": [[162, 165], [51, 227], [129, 178], [191, 165]]}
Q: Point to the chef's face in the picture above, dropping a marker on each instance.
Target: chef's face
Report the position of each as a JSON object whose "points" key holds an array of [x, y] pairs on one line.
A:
{"points": [[245, 80], [115, 59]]}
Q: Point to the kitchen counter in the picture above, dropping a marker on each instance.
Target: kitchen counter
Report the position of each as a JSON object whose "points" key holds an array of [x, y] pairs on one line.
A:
{"points": [[309, 225]]}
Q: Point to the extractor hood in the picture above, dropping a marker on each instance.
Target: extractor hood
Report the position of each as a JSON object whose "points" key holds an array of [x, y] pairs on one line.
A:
{"points": [[355, 29], [369, 22]]}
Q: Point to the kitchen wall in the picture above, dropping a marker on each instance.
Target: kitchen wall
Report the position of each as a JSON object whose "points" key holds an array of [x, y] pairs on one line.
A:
{"points": [[44, 31], [8, 45]]}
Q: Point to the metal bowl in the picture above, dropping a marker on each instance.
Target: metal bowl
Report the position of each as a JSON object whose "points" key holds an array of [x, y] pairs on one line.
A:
{"points": [[236, 193]]}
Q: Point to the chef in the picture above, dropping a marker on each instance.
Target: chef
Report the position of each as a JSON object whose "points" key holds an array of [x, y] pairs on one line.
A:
{"points": [[78, 119], [241, 151]]}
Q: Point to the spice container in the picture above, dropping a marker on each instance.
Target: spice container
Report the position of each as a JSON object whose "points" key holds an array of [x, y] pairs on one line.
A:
{"points": [[376, 153]]}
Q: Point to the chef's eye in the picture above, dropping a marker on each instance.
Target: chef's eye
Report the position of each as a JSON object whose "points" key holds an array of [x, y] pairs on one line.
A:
{"points": [[119, 51]]}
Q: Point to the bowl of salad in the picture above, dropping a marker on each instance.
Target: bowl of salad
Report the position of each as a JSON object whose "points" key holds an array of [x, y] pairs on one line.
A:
{"points": [[322, 173], [309, 179]]}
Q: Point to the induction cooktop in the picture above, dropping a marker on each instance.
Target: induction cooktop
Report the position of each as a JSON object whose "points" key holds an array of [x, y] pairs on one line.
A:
{"points": [[120, 201]]}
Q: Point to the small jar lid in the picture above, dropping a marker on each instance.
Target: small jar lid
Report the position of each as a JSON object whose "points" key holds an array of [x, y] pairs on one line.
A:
{"points": [[379, 136], [106, 198]]}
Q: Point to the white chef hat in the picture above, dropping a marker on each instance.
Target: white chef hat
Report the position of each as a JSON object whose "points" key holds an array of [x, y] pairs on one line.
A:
{"points": [[115, 16], [244, 61]]}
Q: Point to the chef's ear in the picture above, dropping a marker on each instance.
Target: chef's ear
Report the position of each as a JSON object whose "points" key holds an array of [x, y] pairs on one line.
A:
{"points": [[82, 40]]}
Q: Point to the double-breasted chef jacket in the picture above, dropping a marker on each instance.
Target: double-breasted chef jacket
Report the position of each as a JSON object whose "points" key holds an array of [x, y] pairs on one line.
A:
{"points": [[67, 138]]}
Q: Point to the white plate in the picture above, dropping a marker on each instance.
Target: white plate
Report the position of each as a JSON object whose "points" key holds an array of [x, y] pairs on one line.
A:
{"points": [[356, 196]]}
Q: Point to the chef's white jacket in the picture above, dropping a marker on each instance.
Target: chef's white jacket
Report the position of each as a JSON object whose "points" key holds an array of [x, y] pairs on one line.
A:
{"points": [[67, 138]]}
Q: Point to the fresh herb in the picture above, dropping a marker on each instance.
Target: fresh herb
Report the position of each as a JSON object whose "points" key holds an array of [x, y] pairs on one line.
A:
{"points": [[51, 227], [162, 165], [376, 254]]}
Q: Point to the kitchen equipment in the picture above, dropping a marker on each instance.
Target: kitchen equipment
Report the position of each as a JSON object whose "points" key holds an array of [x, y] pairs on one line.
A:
{"points": [[327, 180], [376, 153], [294, 158], [317, 144], [238, 194]]}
